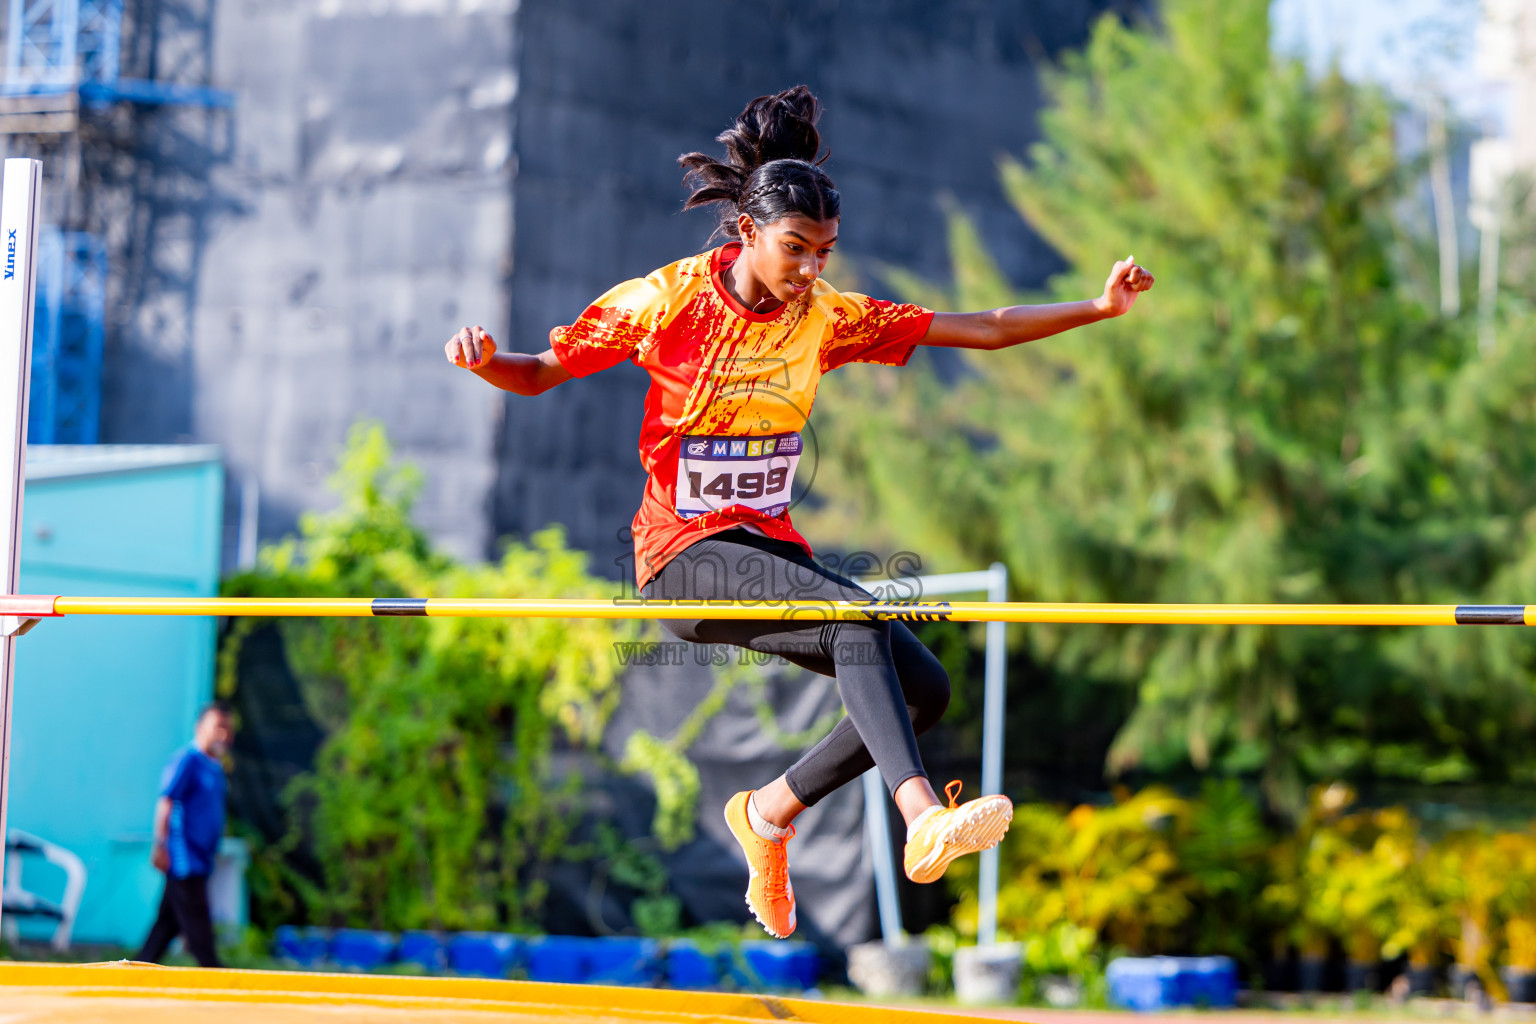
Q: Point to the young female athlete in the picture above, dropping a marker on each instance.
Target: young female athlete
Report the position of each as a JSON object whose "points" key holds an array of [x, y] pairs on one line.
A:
{"points": [[735, 341]]}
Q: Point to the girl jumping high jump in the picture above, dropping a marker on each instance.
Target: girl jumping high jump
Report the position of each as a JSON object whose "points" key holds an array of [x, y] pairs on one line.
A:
{"points": [[736, 340]]}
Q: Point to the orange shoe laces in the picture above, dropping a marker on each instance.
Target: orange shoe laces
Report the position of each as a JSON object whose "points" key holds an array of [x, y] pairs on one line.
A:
{"points": [[952, 791], [776, 871]]}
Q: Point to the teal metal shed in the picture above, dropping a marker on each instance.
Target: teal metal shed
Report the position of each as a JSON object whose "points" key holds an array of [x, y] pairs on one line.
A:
{"points": [[102, 703]]}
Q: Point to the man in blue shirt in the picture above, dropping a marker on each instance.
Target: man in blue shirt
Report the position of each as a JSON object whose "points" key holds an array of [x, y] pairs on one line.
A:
{"points": [[189, 821]]}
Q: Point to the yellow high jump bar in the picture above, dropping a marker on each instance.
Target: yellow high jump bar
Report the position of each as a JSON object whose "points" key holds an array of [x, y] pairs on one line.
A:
{"points": [[51, 606]]}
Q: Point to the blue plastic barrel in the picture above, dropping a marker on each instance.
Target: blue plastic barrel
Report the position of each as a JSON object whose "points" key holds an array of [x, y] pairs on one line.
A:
{"points": [[561, 958], [361, 950], [485, 954], [1144, 983], [621, 960], [303, 946], [781, 965], [1208, 981], [427, 950], [687, 966]]}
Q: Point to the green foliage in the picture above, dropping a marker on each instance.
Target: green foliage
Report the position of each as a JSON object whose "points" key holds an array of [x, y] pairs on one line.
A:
{"points": [[1486, 885], [1111, 871], [674, 778], [1515, 855], [1366, 878], [1157, 873], [631, 864], [1287, 894], [433, 802], [941, 940], [1355, 867], [1284, 418], [1223, 853]]}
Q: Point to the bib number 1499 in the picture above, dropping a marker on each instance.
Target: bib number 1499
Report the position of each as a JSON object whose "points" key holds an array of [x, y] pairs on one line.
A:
{"points": [[727, 486], [714, 473]]}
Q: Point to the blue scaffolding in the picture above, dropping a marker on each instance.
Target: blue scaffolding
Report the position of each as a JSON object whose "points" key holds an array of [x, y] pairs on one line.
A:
{"points": [[67, 337], [55, 48], [58, 46], [54, 45]]}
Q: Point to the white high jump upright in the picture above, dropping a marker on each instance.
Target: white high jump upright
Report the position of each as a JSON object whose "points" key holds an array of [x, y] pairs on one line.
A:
{"points": [[993, 580], [19, 194]]}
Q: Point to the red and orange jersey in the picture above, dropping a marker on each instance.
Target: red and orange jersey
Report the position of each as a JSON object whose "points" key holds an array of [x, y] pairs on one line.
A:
{"points": [[731, 391]]}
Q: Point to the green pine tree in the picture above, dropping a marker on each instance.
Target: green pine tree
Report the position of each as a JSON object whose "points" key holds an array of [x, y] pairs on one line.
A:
{"points": [[1284, 418]]}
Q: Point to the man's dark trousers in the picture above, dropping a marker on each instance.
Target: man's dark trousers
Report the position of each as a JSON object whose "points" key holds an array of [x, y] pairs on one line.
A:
{"points": [[184, 912]]}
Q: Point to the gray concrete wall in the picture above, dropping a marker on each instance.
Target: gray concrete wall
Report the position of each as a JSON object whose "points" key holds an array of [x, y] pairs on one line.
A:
{"points": [[921, 98], [364, 207]]}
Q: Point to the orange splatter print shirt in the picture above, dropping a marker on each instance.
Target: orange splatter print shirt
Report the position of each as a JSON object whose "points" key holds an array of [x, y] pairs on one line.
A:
{"points": [[731, 391]]}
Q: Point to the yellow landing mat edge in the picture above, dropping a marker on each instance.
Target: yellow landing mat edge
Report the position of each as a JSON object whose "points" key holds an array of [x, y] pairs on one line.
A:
{"points": [[125, 992]]}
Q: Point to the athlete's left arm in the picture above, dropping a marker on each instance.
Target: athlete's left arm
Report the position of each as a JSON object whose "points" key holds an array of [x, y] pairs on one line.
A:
{"points": [[1014, 325]]}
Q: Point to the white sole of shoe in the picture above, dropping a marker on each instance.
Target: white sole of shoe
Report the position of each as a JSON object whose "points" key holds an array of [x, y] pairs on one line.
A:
{"points": [[978, 828], [764, 924]]}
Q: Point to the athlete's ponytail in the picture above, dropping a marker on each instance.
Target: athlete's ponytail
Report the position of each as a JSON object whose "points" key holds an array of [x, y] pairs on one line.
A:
{"points": [[771, 167]]}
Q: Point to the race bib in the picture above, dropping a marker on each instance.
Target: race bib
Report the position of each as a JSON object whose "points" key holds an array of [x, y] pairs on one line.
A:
{"points": [[714, 473]]}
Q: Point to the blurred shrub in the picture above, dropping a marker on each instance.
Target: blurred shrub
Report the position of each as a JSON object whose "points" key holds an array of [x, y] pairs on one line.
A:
{"points": [[1516, 900], [1224, 853], [1156, 873], [1288, 895], [1421, 924], [432, 803], [1356, 867], [1468, 882], [1110, 871]]}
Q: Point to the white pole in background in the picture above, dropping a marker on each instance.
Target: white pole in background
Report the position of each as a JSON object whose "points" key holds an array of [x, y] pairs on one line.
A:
{"points": [[994, 711], [877, 827], [19, 194], [246, 532]]}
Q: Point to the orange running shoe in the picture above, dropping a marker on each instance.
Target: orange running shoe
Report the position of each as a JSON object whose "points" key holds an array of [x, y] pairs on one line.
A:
{"points": [[951, 832], [769, 893]]}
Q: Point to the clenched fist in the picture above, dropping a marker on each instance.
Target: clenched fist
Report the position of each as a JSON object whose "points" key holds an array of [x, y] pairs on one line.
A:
{"points": [[1126, 281], [471, 348]]}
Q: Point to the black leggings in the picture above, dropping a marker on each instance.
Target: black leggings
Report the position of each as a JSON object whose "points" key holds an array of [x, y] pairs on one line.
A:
{"points": [[892, 686]]}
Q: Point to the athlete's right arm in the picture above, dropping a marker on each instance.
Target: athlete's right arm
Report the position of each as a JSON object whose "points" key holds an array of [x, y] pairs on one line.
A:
{"points": [[518, 372]]}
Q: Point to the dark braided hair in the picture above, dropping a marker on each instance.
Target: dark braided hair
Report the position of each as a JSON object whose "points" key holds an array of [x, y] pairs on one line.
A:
{"points": [[771, 169]]}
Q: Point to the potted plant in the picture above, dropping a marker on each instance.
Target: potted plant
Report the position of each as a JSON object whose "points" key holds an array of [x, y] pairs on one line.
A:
{"points": [[1419, 922], [1469, 882], [1355, 863], [1290, 897], [1347, 902], [1224, 852], [1421, 931], [1290, 900], [1111, 873], [1061, 963], [1516, 857], [1519, 973], [1108, 869]]}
